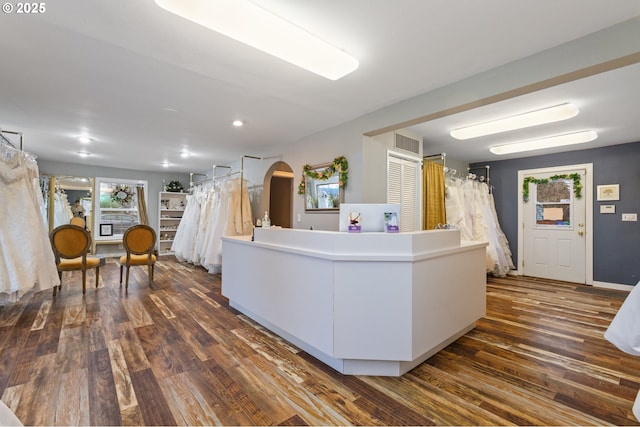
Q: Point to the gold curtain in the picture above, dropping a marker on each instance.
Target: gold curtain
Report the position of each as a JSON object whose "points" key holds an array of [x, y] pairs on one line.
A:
{"points": [[142, 206], [433, 200]]}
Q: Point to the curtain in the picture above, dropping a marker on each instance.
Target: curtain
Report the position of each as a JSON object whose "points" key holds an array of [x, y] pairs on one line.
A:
{"points": [[433, 201], [142, 207]]}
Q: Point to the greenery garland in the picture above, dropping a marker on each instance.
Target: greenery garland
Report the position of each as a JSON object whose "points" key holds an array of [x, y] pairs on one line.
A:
{"points": [[174, 187], [339, 165], [122, 194], [577, 185]]}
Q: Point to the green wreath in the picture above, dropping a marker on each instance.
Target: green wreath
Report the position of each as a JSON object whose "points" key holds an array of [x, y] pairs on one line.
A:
{"points": [[339, 165], [577, 185], [122, 194]]}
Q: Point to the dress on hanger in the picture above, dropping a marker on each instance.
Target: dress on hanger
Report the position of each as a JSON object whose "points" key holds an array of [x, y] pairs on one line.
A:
{"points": [[27, 262]]}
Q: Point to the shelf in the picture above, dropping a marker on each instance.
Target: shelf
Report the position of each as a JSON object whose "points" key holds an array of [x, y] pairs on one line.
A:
{"points": [[169, 217]]}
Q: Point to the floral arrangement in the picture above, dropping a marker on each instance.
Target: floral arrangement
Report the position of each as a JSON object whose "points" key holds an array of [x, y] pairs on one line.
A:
{"points": [[577, 185], [123, 194], [174, 186], [339, 165]]}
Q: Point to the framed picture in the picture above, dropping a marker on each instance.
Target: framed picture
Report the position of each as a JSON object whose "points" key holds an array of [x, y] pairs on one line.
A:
{"points": [[322, 194], [106, 229], [609, 192]]}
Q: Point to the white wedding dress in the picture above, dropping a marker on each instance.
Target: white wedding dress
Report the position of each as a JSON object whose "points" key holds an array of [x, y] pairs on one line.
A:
{"points": [[27, 262]]}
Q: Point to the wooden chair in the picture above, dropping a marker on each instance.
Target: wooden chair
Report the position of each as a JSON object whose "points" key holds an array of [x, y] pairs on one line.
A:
{"points": [[71, 245], [76, 220], [139, 242]]}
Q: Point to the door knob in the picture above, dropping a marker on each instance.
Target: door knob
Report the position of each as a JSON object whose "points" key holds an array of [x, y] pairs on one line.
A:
{"points": [[580, 233]]}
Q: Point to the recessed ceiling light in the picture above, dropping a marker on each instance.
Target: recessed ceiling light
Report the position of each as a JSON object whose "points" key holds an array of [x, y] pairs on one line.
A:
{"points": [[548, 142], [238, 123], [251, 24], [83, 154], [84, 139], [166, 164], [542, 116], [185, 154]]}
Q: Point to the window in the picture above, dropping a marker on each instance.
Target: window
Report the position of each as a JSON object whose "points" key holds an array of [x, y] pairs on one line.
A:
{"points": [[554, 204], [116, 206]]}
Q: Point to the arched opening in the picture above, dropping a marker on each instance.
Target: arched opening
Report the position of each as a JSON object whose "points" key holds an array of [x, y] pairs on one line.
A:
{"points": [[277, 194]]}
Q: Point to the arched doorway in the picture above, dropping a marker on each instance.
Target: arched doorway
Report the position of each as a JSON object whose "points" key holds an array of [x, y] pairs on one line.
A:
{"points": [[277, 194]]}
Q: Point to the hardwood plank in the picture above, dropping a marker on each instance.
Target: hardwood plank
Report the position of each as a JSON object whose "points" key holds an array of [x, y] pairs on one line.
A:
{"points": [[41, 318], [124, 389], [153, 405], [188, 405], [72, 406], [44, 381], [103, 399], [132, 349]]}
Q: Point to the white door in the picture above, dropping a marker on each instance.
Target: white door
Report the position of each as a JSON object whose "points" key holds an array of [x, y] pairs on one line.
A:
{"points": [[555, 227], [403, 187]]}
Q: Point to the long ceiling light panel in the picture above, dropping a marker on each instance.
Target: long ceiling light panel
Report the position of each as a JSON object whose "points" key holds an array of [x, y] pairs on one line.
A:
{"points": [[549, 142], [532, 118], [246, 22]]}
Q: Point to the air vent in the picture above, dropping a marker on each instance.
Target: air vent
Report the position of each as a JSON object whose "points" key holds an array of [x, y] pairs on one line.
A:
{"points": [[405, 143]]}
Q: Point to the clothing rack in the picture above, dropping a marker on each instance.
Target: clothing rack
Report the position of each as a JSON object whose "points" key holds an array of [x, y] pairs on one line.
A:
{"points": [[241, 187], [442, 157], [486, 177], [6, 140]]}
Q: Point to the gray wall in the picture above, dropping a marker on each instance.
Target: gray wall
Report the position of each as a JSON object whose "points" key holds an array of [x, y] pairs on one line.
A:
{"points": [[616, 244]]}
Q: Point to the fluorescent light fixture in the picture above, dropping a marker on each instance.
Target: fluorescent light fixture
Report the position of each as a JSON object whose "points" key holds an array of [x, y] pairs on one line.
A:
{"points": [[519, 121], [247, 22], [548, 142]]}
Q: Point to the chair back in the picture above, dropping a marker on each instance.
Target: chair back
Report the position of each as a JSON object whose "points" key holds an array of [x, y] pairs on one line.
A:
{"points": [[139, 239], [76, 220], [70, 241]]}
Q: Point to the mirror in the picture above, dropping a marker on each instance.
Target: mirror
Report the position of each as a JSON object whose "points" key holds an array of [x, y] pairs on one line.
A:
{"points": [[66, 197], [322, 194]]}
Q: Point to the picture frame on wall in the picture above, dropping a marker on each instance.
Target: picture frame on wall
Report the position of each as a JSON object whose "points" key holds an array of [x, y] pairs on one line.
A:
{"points": [[106, 229], [609, 192]]}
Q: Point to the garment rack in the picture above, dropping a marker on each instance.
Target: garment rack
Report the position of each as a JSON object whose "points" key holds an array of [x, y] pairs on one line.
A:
{"points": [[241, 188], [442, 157], [487, 173], [10, 132]]}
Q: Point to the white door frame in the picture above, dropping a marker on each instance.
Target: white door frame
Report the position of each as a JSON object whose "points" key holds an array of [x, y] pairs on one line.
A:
{"points": [[587, 193]]}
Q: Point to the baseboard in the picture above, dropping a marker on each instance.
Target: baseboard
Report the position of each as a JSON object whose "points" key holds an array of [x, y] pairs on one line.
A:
{"points": [[612, 286]]}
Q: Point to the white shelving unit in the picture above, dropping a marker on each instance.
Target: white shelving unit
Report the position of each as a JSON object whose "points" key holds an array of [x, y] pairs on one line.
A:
{"points": [[170, 209]]}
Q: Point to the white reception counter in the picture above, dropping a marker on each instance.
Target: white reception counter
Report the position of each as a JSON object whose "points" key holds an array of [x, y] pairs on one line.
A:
{"points": [[368, 303]]}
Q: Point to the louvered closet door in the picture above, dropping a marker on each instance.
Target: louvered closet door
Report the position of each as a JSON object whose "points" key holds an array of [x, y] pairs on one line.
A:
{"points": [[403, 187]]}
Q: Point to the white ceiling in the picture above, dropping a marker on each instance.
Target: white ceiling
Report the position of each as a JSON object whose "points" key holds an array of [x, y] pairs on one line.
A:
{"points": [[145, 84]]}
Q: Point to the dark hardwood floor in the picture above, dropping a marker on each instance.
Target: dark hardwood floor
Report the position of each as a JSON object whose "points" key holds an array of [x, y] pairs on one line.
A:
{"points": [[176, 354]]}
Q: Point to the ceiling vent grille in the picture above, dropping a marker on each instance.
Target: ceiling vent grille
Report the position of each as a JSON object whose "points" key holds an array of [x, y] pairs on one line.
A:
{"points": [[406, 143]]}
